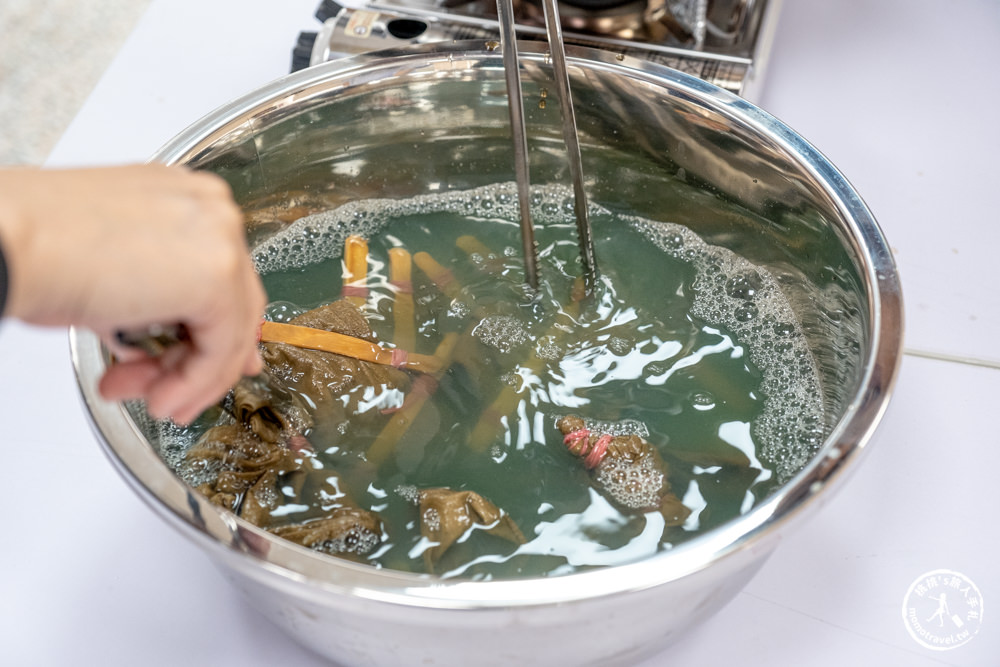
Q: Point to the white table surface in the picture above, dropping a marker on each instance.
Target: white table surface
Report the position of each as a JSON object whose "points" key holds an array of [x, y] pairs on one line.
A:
{"points": [[902, 95]]}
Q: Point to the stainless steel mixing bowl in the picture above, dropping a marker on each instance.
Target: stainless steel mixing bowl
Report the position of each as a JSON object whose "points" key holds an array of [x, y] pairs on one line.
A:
{"points": [[656, 143]]}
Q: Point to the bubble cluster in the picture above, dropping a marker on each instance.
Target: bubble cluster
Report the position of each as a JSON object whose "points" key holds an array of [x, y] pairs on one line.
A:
{"points": [[320, 236], [616, 428], [746, 299], [635, 484], [510, 379], [282, 311], [744, 285], [702, 400], [267, 496], [409, 493], [501, 332], [459, 310], [357, 540], [619, 345], [197, 472], [173, 442], [548, 348], [432, 519]]}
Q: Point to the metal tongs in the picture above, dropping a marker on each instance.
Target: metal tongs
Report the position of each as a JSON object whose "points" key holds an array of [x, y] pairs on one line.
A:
{"points": [[515, 104], [156, 339]]}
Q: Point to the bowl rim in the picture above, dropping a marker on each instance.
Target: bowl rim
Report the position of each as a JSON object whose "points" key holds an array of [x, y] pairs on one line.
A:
{"points": [[223, 534]]}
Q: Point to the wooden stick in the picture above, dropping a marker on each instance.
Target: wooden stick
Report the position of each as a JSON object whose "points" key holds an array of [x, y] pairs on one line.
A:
{"points": [[473, 246], [439, 275], [348, 346], [400, 276], [506, 401], [445, 281], [421, 391], [400, 422], [355, 270]]}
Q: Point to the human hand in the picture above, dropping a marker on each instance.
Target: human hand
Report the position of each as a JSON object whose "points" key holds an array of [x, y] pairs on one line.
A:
{"points": [[130, 247]]}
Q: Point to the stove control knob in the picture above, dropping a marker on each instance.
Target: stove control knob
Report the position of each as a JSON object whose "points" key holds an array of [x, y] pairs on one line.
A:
{"points": [[302, 53], [327, 9]]}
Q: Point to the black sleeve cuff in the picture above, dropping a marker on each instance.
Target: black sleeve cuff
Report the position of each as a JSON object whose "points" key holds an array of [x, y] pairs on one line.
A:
{"points": [[3, 282]]}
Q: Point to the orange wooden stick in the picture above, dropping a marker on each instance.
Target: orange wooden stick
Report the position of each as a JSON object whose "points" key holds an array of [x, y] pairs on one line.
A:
{"points": [[473, 246], [355, 270], [400, 276], [423, 388], [348, 346], [506, 401], [439, 275]]}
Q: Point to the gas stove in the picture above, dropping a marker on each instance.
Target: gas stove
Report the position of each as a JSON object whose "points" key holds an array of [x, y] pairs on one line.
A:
{"points": [[724, 42]]}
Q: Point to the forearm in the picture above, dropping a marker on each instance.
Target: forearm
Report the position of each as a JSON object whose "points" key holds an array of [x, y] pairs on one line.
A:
{"points": [[50, 226], [128, 247]]}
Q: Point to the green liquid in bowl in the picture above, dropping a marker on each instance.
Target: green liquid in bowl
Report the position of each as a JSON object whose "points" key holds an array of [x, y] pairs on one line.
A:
{"points": [[684, 343]]}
